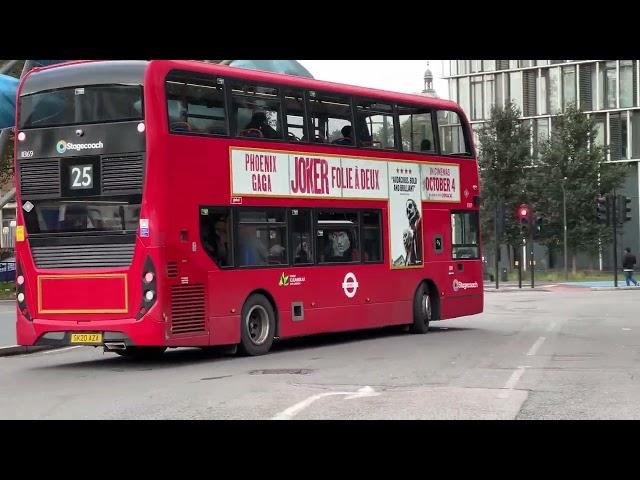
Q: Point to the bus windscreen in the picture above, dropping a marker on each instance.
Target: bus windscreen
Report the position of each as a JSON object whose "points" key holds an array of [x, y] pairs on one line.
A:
{"points": [[81, 105]]}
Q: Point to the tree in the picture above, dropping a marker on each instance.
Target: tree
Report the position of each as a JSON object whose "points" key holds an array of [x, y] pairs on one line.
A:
{"points": [[503, 158], [571, 153]]}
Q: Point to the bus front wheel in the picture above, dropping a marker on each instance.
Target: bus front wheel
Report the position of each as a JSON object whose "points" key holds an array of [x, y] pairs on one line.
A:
{"points": [[422, 310], [257, 325]]}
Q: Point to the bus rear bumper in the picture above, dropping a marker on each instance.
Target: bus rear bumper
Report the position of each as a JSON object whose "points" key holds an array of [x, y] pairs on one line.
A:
{"points": [[143, 332]]}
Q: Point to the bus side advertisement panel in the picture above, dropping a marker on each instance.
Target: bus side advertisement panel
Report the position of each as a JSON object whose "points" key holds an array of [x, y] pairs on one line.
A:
{"points": [[440, 182], [405, 215]]}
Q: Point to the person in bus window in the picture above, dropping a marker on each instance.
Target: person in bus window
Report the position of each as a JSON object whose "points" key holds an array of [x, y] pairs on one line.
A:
{"points": [[259, 126], [425, 145], [219, 244], [303, 253], [347, 136], [253, 250]]}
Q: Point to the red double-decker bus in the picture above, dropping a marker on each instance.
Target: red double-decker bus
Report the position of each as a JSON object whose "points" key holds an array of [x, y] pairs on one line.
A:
{"points": [[179, 203]]}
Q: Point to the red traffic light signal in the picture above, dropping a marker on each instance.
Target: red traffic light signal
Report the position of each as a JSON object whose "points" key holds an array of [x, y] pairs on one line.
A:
{"points": [[523, 212]]}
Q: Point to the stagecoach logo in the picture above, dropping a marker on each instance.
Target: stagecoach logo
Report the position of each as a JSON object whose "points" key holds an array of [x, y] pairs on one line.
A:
{"points": [[291, 279], [458, 285], [350, 285], [63, 146]]}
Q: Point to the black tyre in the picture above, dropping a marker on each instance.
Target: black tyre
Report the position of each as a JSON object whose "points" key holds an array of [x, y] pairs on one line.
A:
{"points": [[422, 310], [141, 353], [257, 325]]}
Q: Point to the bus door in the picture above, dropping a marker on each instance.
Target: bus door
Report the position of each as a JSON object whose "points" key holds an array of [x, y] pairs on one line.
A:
{"points": [[465, 269]]}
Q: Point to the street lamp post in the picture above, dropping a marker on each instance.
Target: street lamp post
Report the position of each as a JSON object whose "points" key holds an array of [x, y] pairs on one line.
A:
{"points": [[564, 222]]}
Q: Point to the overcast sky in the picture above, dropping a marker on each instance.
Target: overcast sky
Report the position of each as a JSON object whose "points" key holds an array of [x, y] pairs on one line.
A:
{"points": [[404, 76]]}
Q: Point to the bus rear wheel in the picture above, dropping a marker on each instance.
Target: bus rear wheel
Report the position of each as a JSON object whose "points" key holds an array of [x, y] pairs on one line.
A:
{"points": [[257, 325], [141, 353], [422, 310]]}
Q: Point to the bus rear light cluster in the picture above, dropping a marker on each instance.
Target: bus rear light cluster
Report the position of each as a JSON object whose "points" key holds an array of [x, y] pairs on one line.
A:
{"points": [[149, 288], [20, 292]]}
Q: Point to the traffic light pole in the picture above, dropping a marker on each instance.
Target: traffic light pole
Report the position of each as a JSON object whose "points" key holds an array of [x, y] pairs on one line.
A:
{"points": [[497, 250], [519, 265], [532, 261], [615, 239]]}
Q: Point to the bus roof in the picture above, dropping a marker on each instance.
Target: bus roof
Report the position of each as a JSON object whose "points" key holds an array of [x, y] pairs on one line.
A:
{"points": [[70, 74], [132, 71], [309, 83]]}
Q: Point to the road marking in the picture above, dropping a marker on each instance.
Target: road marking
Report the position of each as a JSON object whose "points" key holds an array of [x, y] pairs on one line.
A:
{"points": [[513, 380], [551, 326], [59, 350], [626, 329], [536, 346], [291, 412]]}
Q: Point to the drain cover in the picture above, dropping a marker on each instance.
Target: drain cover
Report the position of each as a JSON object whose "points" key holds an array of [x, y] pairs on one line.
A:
{"points": [[282, 371]]}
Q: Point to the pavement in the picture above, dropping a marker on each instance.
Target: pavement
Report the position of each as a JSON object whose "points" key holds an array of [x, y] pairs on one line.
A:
{"points": [[531, 355], [8, 341]]}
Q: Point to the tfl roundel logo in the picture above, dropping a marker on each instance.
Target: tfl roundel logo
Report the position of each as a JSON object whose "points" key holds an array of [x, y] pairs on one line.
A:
{"points": [[61, 146]]}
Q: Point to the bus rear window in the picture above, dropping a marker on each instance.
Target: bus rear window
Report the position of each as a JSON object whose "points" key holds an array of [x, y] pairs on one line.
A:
{"points": [[113, 215], [81, 105]]}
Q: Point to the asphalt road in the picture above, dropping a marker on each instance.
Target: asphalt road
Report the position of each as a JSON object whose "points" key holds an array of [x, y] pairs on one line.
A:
{"points": [[559, 354]]}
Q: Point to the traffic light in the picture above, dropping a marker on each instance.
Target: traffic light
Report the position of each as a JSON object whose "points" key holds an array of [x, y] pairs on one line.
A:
{"points": [[537, 226], [625, 209], [523, 215], [602, 209]]}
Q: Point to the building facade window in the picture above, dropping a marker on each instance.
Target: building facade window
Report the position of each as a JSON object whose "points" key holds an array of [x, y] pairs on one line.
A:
{"points": [[463, 93], [618, 135], [601, 130], [541, 135], [626, 83], [635, 134], [488, 65], [476, 98], [500, 87], [515, 88], [453, 67], [543, 97], [462, 67], [513, 64], [489, 94], [594, 87], [476, 66], [453, 90], [525, 63], [608, 85], [568, 85], [554, 90]]}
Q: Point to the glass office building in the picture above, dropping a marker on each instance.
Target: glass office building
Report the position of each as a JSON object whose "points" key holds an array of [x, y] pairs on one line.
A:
{"points": [[607, 90]]}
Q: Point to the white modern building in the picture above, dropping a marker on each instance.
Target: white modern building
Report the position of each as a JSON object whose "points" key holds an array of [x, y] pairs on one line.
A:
{"points": [[608, 90]]}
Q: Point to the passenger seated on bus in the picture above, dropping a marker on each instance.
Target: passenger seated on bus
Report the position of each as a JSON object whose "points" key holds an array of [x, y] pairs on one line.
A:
{"points": [[347, 136], [253, 250], [425, 145], [216, 241], [303, 253], [259, 127]]}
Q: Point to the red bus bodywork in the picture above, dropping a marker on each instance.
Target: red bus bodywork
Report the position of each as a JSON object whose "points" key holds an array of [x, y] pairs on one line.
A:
{"points": [[184, 172]]}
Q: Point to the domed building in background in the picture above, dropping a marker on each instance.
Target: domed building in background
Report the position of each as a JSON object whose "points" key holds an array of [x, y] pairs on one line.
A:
{"points": [[428, 90]]}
